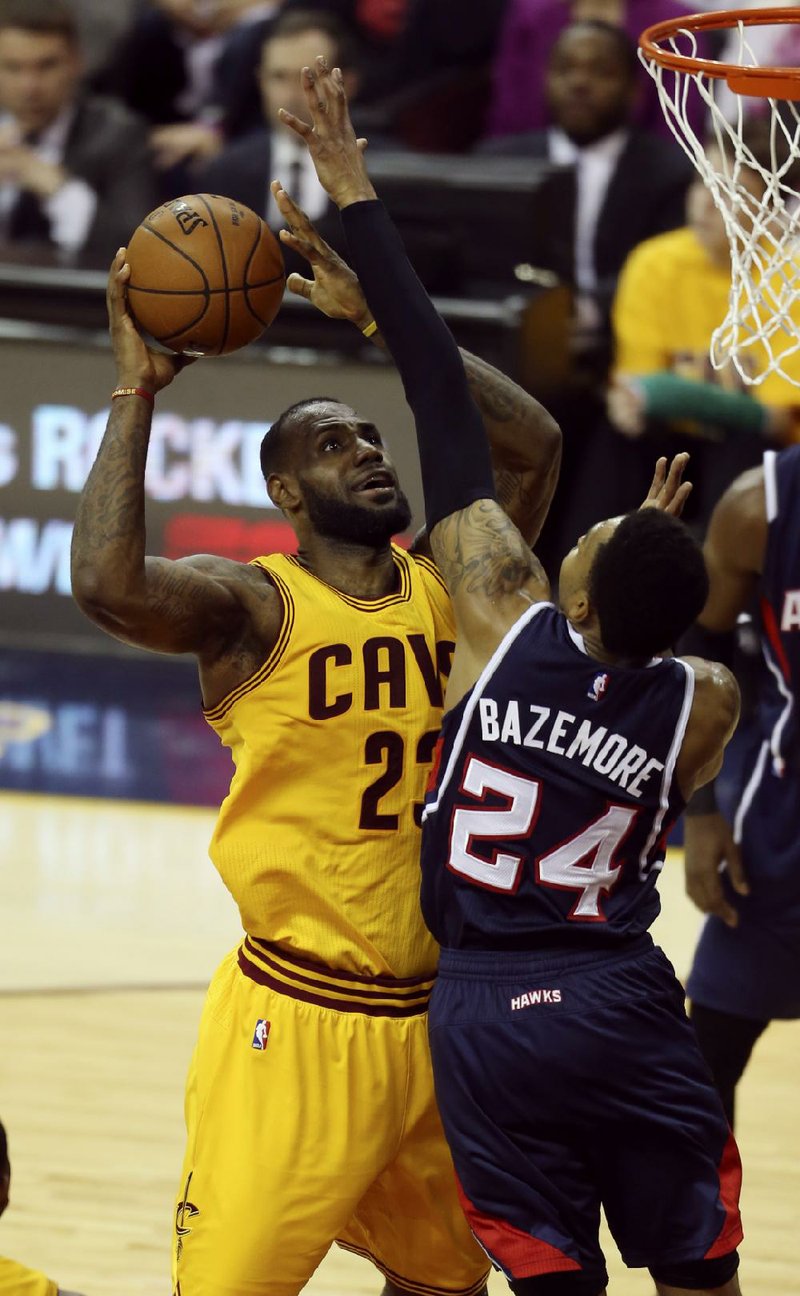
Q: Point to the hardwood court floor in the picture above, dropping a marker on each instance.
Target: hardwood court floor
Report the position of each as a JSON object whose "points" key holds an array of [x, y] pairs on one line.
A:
{"points": [[112, 922]]}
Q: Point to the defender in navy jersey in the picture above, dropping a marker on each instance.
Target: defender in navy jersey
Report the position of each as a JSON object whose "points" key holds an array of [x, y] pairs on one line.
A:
{"points": [[747, 964], [567, 1073], [552, 739]]}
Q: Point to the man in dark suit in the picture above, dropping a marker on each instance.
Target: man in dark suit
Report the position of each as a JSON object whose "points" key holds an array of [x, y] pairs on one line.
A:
{"points": [[75, 173], [244, 169], [629, 184]]}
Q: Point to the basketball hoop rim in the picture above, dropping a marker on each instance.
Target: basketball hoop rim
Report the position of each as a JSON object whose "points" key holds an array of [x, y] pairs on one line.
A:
{"points": [[763, 82]]}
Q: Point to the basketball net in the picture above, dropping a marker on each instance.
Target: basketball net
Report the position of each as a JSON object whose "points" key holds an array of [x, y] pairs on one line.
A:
{"points": [[761, 331]]}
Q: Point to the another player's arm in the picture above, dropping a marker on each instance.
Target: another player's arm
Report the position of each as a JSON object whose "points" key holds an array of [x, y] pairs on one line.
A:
{"points": [[714, 716], [488, 567], [525, 441], [734, 552], [189, 606]]}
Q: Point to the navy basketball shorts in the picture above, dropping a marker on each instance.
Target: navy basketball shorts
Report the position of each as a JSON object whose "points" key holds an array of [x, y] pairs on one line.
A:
{"points": [[753, 970], [570, 1081]]}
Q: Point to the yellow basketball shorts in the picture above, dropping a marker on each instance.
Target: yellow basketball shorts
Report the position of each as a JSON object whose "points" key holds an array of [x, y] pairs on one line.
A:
{"points": [[16, 1280], [311, 1119]]}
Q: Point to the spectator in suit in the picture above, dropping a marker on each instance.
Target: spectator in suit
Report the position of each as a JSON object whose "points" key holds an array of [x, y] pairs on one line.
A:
{"points": [[246, 167], [16, 1279], [378, 27], [189, 67], [629, 184], [75, 174], [531, 28]]}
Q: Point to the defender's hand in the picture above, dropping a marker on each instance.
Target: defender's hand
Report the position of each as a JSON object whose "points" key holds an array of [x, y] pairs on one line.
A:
{"points": [[668, 491], [330, 139], [137, 364], [709, 847], [334, 289]]}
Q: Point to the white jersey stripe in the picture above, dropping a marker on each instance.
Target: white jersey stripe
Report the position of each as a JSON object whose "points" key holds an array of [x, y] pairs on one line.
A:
{"points": [[477, 691], [669, 767], [776, 736], [771, 484], [750, 791]]}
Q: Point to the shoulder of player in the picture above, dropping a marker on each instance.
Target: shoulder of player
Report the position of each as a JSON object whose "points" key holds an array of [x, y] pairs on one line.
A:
{"points": [[231, 572], [745, 498], [247, 583], [716, 695], [738, 527]]}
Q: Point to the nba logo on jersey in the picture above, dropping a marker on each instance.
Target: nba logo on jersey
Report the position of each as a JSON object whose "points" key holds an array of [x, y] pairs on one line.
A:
{"points": [[599, 686], [261, 1034]]}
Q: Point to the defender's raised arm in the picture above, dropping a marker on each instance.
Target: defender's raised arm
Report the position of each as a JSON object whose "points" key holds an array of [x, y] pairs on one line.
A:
{"points": [[481, 553], [524, 439]]}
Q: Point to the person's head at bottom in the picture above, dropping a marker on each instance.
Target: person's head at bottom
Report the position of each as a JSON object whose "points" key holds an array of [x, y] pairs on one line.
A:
{"points": [[329, 472], [632, 585]]}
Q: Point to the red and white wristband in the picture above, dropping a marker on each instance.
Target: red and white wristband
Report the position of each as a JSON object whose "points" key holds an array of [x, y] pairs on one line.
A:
{"points": [[134, 391]]}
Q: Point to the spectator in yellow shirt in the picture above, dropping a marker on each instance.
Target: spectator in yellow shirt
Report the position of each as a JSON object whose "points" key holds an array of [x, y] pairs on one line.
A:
{"points": [[16, 1279], [672, 294]]}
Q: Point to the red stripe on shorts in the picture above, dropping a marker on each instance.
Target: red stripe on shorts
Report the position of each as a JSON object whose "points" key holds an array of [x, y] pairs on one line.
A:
{"points": [[730, 1185], [520, 1254]]}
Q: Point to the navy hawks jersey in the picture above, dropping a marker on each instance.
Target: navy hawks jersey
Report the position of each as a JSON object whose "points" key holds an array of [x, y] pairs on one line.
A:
{"points": [[552, 795], [753, 970], [779, 611]]}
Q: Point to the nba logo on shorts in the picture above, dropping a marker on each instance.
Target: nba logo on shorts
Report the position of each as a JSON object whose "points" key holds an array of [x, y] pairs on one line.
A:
{"points": [[599, 686], [261, 1034]]}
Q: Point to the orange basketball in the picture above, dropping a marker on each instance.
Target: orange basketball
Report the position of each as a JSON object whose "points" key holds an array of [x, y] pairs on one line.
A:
{"points": [[206, 275]]}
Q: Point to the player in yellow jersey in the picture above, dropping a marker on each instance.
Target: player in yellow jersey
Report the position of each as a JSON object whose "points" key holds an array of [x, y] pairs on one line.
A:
{"points": [[17, 1279], [310, 1106]]}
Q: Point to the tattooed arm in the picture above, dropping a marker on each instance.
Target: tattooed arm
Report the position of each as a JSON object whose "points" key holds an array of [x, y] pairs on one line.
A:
{"points": [[524, 440], [195, 605]]}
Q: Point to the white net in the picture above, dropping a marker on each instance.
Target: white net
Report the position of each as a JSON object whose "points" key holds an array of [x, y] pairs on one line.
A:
{"points": [[750, 165]]}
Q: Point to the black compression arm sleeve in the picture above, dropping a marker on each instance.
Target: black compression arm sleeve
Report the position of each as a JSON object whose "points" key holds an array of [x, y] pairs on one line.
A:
{"points": [[453, 449]]}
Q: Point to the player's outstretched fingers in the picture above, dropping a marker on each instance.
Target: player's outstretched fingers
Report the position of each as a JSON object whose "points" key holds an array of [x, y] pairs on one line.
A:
{"points": [[306, 249], [114, 285], [116, 298], [299, 286], [314, 85], [299, 127], [674, 480], [297, 220]]}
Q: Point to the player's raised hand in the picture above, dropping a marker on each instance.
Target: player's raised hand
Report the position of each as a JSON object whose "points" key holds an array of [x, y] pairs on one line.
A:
{"points": [[709, 851], [668, 491], [330, 139], [334, 288], [137, 364]]}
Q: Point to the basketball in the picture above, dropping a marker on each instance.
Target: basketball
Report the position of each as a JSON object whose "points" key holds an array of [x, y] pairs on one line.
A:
{"points": [[206, 275]]}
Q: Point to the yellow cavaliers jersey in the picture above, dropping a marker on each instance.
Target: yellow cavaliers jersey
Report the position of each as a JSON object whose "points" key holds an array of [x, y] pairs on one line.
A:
{"points": [[318, 840], [16, 1280]]}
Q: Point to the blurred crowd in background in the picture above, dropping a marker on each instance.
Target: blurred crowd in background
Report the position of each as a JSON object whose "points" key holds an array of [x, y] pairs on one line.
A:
{"points": [[106, 110]]}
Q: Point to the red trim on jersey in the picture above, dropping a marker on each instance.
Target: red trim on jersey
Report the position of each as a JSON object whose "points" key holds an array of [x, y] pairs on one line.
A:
{"points": [[520, 1254], [770, 624], [434, 771], [730, 1185]]}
